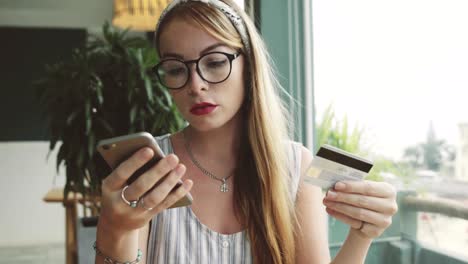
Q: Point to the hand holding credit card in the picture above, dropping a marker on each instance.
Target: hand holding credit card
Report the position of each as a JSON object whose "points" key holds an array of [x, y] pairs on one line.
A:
{"points": [[332, 165]]}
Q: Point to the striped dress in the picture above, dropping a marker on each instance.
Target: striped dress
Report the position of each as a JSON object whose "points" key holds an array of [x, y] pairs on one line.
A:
{"points": [[177, 236]]}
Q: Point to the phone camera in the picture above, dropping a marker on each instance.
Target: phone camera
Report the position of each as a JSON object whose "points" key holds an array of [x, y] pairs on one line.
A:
{"points": [[105, 147]]}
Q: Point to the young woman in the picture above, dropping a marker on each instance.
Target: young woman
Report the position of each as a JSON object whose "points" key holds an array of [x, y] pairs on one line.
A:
{"points": [[250, 204]]}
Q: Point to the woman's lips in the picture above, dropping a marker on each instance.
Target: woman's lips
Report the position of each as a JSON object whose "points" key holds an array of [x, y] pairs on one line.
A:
{"points": [[202, 108]]}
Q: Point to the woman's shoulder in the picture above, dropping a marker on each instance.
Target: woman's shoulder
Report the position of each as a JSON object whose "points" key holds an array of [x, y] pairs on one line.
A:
{"points": [[297, 148], [294, 148], [164, 142], [294, 144], [299, 157], [163, 136]]}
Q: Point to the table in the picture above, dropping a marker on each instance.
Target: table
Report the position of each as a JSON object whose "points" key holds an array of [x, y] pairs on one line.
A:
{"points": [[55, 195]]}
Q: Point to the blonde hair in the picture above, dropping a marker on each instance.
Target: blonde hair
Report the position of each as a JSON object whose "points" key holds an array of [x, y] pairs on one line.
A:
{"points": [[261, 187]]}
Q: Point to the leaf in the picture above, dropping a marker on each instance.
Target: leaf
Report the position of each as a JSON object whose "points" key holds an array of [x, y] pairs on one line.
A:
{"points": [[72, 116], [138, 56], [80, 158], [161, 104], [104, 124], [133, 113], [157, 125], [98, 86], [91, 145], [150, 58], [168, 97], [53, 139], [149, 89], [150, 109], [87, 117], [123, 33], [60, 156]]}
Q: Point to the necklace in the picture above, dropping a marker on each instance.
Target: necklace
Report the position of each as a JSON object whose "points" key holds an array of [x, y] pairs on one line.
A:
{"points": [[224, 186]]}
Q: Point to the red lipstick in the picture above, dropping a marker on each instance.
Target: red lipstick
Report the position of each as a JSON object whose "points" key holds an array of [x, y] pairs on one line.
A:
{"points": [[202, 108]]}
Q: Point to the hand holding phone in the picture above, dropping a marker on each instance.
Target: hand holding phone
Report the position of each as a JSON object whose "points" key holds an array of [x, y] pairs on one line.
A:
{"points": [[118, 149]]}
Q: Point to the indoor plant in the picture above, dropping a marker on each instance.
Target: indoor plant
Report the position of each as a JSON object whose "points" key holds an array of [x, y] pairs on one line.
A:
{"points": [[107, 89]]}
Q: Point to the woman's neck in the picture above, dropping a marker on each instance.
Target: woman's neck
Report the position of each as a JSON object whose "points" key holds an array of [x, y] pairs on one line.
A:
{"points": [[220, 144]]}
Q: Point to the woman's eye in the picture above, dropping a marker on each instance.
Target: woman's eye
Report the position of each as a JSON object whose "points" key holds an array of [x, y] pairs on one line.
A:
{"points": [[175, 71], [216, 64]]}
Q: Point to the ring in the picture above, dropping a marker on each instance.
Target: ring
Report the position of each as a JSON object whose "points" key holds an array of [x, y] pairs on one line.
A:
{"points": [[133, 203], [142, 204], [362, 225]]}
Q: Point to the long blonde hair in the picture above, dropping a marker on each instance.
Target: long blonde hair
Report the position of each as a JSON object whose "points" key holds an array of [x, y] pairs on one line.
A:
{"points": [[261, 186]]}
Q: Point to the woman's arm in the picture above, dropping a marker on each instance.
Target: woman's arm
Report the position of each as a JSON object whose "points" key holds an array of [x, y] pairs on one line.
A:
{"points": [[121, 246], [122, 230], [126, 244], [354, 203]]}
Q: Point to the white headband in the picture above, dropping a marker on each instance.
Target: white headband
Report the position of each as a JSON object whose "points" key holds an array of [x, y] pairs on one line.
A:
{"points": [[230, 13]]}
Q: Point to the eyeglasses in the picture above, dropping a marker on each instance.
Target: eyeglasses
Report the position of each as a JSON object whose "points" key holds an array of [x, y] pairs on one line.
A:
{"points": [[213, 67]]}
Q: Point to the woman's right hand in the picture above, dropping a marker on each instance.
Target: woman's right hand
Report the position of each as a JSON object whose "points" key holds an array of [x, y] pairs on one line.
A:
{"points": [[118, 216]]}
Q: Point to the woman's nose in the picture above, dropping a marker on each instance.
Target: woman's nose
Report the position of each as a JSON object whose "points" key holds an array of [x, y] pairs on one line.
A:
{"points": [[196, 84]]}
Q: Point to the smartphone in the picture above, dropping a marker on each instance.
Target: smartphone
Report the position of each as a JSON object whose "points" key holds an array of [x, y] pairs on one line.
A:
{"points": [[118, 149]]}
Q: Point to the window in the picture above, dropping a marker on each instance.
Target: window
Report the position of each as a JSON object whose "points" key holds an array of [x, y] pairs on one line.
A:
{"points": [[398, 71]]}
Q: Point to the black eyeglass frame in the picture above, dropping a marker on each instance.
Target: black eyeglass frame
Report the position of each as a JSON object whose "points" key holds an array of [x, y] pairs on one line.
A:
{"points": [[230, 57]]}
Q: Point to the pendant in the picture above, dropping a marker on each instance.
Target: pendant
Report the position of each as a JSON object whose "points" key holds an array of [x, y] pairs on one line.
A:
{"points": [[224, 187]]}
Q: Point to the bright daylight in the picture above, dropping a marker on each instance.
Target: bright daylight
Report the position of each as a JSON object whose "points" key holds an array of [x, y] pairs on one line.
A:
{"points": [[234, 132], [397, 72]]}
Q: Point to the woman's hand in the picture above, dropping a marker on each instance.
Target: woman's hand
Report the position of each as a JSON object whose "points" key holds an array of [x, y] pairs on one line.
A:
{"points": [[366, 206], [116, 215]]}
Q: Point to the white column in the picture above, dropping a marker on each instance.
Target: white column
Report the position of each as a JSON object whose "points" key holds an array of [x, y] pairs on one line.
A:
{"points": [[461, 166]]}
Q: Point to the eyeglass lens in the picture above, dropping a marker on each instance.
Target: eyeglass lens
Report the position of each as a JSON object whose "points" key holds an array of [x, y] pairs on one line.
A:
{"points": [[212, 67]]}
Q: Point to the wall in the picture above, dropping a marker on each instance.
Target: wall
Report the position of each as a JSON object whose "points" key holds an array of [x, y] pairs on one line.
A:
{"points": [[26, 177], [55, 13], [34, 28]]}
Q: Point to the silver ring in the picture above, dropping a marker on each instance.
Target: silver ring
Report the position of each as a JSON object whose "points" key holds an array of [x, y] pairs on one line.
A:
{"points": [[142, 205], [133, 203]]}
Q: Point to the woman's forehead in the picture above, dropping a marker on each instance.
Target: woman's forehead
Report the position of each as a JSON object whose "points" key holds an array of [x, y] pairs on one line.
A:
{"points": [[182, 37]]}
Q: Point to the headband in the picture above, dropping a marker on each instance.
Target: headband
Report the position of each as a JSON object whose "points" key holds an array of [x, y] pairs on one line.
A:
{"points": [[230, 13]]}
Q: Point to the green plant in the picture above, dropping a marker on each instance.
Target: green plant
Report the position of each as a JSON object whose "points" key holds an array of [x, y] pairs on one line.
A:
{"points": [[107, 89], [337, 133]]}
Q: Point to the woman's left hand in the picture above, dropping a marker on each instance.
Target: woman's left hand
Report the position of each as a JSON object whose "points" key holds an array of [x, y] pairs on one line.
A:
{"points": [[366, 206]]}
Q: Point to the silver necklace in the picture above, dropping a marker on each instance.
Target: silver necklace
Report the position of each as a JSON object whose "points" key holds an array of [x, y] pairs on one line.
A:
{"points": [[224, 186]]}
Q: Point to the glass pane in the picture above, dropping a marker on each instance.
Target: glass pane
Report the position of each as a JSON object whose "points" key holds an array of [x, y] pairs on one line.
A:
{"points": [[397, 73]]}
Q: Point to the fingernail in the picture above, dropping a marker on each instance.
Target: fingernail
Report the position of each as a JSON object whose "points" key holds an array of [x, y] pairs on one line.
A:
{"points": [[147, 153], [188, 184], [331, 194], [172, 160], [340, 186], [180, 169]]}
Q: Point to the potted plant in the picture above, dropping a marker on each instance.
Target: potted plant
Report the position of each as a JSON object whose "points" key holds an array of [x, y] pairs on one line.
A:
{"points": [[106, 89]]}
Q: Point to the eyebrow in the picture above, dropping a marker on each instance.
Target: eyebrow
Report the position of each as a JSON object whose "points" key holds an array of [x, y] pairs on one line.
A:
{"points": [[207, 49]]}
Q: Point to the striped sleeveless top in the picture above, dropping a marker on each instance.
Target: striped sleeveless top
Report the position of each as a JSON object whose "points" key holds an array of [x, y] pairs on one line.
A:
{"points": [[177, 236]]}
